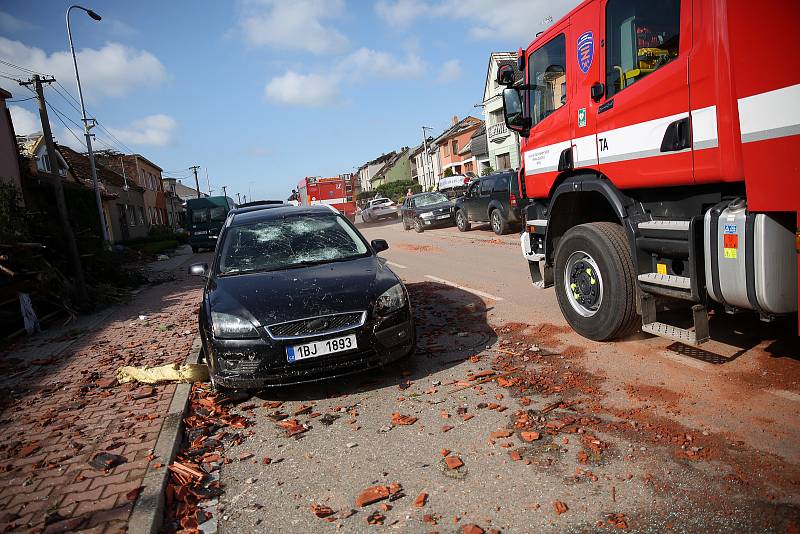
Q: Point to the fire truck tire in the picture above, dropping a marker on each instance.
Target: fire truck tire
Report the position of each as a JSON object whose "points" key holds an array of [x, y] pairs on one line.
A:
{"points": [[462, 221], [595, 281], [418, 226], [499, 225]]}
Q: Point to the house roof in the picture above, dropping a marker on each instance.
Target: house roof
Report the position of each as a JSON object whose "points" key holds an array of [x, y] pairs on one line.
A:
{"points": [[390, 163], [147, 161], [79, 165], [464, 124], [4, 94]]}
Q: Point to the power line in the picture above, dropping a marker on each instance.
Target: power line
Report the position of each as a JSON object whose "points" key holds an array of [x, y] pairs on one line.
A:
{"points": [[8, 63]]}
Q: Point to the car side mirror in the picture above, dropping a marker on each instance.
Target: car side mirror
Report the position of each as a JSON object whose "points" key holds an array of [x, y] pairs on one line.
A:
{"points": [[379, 245], [198, 269], [513, 112]]}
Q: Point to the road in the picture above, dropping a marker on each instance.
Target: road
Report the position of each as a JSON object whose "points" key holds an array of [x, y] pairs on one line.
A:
{"points": [[641, 433]]}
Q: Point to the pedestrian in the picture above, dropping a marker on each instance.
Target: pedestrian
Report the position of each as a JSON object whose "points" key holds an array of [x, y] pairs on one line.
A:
{"points": [[409, 193]]}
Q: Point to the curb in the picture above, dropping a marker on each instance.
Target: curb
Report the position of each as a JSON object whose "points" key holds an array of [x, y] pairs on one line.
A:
{"points": [[148, 512]]}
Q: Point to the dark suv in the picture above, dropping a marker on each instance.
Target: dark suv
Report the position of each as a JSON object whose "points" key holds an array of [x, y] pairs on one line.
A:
{"points": [[493, 199]]}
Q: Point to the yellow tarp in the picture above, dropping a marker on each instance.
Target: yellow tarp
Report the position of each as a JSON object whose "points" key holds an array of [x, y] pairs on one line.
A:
{"points": [[192, 372]]}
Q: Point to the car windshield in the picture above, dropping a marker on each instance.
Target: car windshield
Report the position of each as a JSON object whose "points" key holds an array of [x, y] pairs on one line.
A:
{"points": [[289, 242], [381, 201], [429, 199]]}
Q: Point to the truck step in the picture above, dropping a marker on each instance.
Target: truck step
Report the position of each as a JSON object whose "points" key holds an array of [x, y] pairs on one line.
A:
{"points": [[676, 226], [668, 280], [684, 335], [696, 335]]}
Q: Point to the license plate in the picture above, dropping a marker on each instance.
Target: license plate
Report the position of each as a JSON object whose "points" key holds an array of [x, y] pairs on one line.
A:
{"points": [[443, 217], [321, 348]]}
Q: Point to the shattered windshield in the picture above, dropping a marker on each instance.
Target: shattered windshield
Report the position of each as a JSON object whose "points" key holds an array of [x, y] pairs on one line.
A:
{"points": [[290, 242], [428, 199]]}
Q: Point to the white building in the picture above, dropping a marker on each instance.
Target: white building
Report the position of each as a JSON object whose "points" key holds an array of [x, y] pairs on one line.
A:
{"points": [[367, 171], [503, 144], [425, 167]]}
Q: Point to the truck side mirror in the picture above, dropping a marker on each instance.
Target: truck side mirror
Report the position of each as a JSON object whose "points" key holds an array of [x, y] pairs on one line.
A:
{"points": [[598, 90], [505, 75], [513, 111]]}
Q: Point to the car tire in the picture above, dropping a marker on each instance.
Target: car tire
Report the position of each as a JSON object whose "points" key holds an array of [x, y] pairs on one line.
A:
{"points": [[418, 225], [405, 224], [499, 224], [462, 221], [595, 281], [365, 217]]}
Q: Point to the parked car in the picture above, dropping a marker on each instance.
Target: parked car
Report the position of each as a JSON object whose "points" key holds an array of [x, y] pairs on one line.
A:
{"points": [[494, 199], [296, 294], [380, 208], [426, 210]]}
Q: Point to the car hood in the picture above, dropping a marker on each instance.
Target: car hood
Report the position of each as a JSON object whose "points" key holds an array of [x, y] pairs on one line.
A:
{"points": [[278, 296], [435, 207]]}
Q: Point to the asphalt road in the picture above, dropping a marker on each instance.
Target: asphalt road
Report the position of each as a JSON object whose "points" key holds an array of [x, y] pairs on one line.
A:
{"points": [[641, 433]]}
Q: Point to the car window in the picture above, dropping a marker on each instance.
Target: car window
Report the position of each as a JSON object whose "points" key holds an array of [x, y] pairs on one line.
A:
{"points": [[501, 183], [199, 216], [428, 199], [486, 185], [473, 188], [289, 242], [218, 214]]}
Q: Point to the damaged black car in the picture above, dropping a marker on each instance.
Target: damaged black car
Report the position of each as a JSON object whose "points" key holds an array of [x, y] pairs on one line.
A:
{"points": [[296, 294]]}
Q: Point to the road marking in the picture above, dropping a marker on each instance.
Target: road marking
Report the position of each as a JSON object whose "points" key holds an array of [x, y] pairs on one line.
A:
{"points": [[464, 288], [788, 395], [686, 360], [393, 264]]}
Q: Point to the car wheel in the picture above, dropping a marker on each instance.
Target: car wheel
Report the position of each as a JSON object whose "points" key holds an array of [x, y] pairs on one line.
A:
{"points": [[364, 217], [462, 221], [418, 226], [499, 225], [595, 281]]}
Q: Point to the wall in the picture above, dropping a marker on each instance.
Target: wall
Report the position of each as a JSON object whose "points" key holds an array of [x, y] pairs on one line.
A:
{"points": [[9, 160], [450, 160]]}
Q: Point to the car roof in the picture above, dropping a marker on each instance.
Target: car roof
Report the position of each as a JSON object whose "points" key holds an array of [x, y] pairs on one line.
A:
{"points": [[270, 213], [259, 205]]}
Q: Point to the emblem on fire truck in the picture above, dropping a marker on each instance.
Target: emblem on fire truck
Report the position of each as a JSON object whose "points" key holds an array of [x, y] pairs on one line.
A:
{"points": [[585, 51]]}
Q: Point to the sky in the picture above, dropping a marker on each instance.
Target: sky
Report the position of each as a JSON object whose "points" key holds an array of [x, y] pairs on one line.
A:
{"points": [[260, 93]]}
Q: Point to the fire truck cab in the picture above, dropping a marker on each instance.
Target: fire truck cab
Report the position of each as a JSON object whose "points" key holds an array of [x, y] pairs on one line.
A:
{"points": [[336, 191], [660, 143]]}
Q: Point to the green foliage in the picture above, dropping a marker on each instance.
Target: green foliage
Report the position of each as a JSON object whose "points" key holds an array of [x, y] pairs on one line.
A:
{"points": [[448, 172], [487, 170], [13, 221], [157, 247], [397, 190]]}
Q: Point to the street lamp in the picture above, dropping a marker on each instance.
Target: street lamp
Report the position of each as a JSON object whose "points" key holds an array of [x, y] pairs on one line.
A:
{"points": [[427, 154], [88, 123]]}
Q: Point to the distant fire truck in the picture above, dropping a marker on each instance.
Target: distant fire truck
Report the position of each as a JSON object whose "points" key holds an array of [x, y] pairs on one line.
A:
{"points": [[337, 191], [660, 141]]}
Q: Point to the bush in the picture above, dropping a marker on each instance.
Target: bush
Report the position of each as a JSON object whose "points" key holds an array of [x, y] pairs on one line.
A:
{"points": [[157, 247], [448, 172], [397, 190]]}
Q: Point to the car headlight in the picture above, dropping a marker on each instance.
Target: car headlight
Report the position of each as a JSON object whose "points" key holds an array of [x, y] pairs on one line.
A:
{"points": [[391, 300], [227, 326], [426, 215]]}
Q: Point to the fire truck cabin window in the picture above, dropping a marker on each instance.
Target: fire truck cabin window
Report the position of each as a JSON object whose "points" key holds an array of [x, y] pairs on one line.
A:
{"points": [[641, 37], [548, 75]]}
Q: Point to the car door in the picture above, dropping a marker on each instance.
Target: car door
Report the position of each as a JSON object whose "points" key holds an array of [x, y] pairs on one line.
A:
{"points": [[482, 202], [470, 198], [500, 193], [643, 125]]}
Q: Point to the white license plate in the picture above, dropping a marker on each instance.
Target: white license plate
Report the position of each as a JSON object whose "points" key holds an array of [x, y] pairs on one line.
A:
{"points": [[321, 348], [443, 217]]}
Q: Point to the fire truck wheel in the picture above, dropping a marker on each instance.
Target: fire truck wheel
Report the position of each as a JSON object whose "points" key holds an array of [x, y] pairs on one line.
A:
{"points": [[595, 281], [462, 221], [499, 225], [418, 226]]}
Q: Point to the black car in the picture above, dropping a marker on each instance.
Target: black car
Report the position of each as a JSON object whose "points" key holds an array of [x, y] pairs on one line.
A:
{"points": [[426, 210], [296, 294], [493, 198]]}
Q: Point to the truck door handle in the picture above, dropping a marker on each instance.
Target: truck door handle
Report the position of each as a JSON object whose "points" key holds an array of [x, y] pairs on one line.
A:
{"points": [[678, 136]]}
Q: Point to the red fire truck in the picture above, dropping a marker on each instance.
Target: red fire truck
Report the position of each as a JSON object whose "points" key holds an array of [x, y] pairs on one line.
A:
{"points": [[336, 191], [660, 143]]}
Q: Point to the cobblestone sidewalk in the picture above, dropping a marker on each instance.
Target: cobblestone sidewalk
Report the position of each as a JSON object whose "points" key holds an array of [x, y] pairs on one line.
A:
{"points": [[75, 444]]}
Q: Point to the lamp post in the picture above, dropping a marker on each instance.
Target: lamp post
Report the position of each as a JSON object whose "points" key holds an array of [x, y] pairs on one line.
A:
{"points": [[427, 154], [88, 123]]}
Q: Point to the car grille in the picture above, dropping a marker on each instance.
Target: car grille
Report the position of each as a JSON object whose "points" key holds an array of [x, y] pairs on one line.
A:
{"points": [[313, 326]]}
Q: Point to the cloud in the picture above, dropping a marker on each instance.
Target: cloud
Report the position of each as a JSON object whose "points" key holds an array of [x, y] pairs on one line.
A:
{"points": [[451, 70], [292, 24], [322, 89], [11, 24], [312, 90], [153, 130], [112, 71], [515, 19], [25, 122]]}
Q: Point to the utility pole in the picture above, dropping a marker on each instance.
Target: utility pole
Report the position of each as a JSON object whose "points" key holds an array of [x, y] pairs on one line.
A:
{"points": [[239, 197], [225, 190], [427, 154], [196, 182], [61, 203], [208, 183]]}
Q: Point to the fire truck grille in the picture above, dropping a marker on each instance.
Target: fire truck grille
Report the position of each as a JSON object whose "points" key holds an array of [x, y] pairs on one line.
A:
{"points": [[313, 326]]}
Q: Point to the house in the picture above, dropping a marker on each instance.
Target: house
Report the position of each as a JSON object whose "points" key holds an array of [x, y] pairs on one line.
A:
{"points": [[397, 168], [480, 150], [503, 144], [367, 171], [454, 140], [182, 192], [145, 174], [9, 159], [123, 200], [425, 165]]}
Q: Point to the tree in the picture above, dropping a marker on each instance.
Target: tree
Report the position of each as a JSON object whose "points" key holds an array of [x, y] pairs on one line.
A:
{"points": [[487, 170], [448, 172]]}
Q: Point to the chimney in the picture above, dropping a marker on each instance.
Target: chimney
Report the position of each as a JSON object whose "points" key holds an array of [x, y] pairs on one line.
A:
{"points": [[454, 120]]}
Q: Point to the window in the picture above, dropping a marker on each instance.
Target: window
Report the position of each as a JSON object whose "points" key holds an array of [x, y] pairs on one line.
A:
{"points": [[549, 76], [503, 161], [641, 37], [218, 214], [141, 215], [455, 147], [200, 216], [445, 149], [130, 214], [501, 184], [496, 117], [486, 185]]}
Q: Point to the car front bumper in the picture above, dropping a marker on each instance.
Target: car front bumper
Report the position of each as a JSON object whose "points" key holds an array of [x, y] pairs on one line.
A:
{"points": [[431, 222], [262, 362]]}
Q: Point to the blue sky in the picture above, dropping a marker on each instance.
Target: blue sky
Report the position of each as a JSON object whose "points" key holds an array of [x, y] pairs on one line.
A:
{"points": [[263, 92]]}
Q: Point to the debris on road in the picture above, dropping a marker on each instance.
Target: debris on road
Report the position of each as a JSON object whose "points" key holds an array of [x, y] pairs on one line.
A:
{"points": [[421, 500], [400, 419], [191, 372], [560, 507], [320, 510]]}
